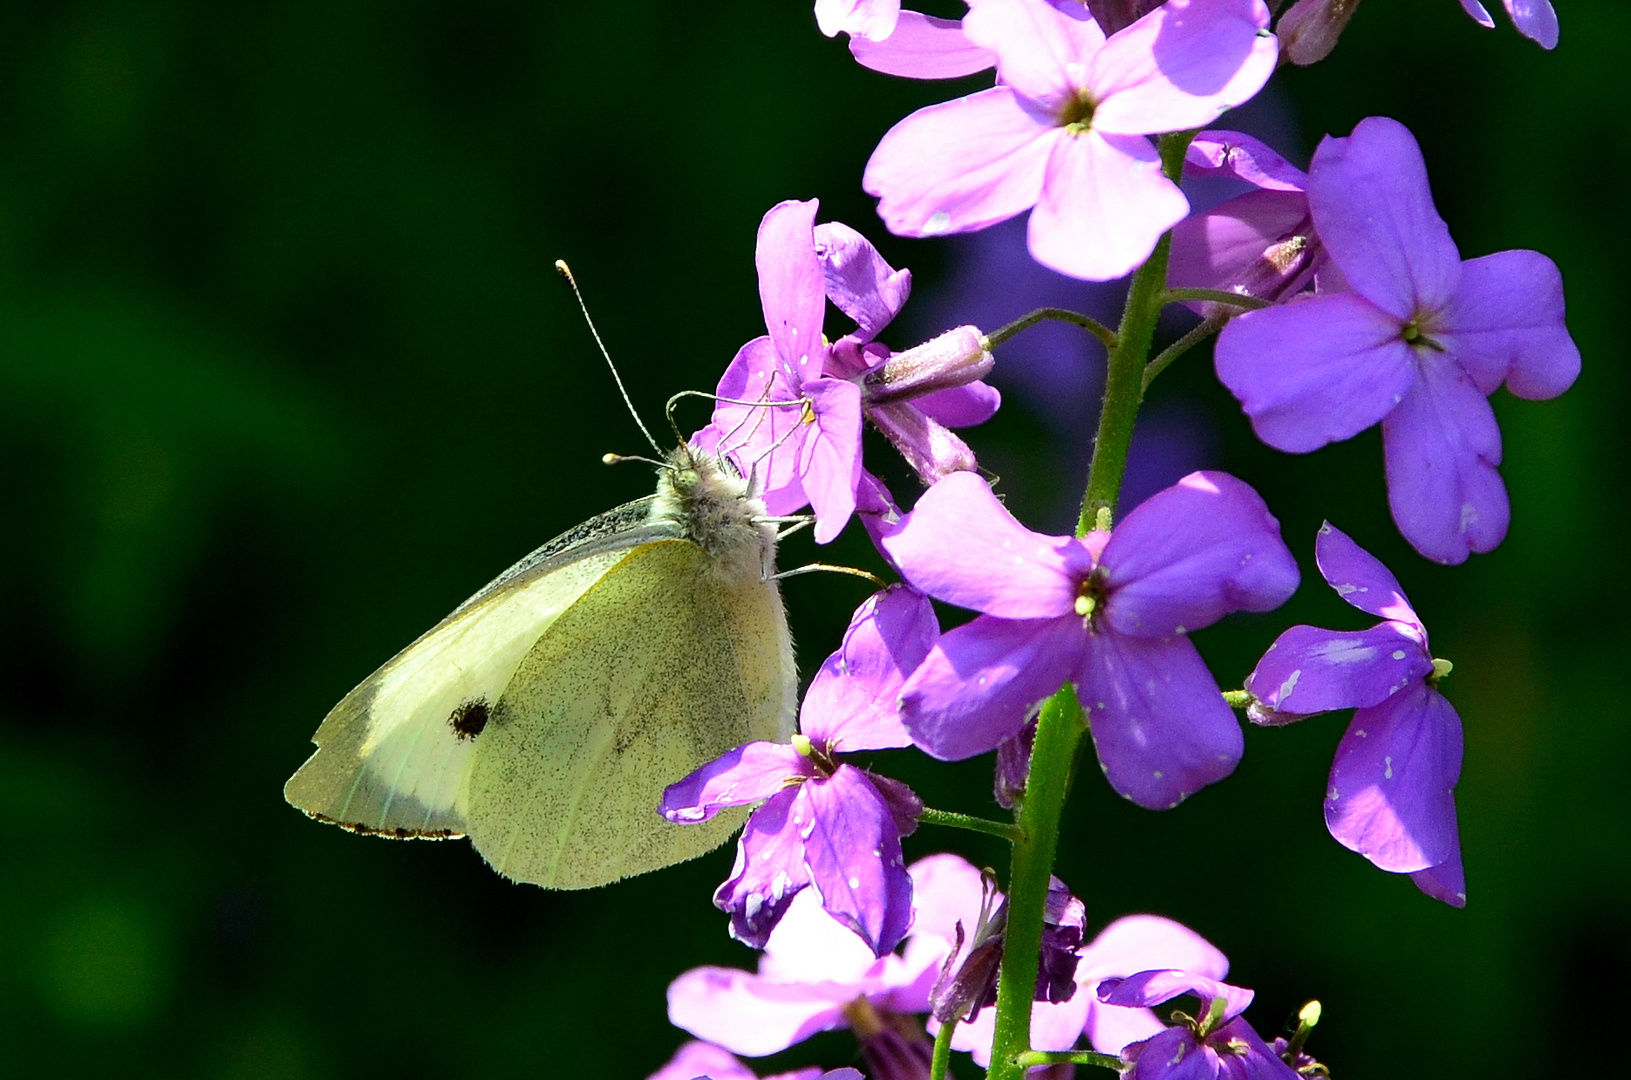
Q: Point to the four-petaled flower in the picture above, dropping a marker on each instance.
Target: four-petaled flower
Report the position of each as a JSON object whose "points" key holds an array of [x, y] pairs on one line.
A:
{"points": [[824, 823], [1391, 796], [1065, 131], [1107, 613], [1418, 344]]}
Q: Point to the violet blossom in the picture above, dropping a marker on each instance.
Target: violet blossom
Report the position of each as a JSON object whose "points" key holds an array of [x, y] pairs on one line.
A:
{"points": [[1391, 795], [824, 823], [1064, 134], [1107, 613], [1216, 1043], [1261, 244], [1418, 344], [1535, 19], [1130, 944], [793, 405], [705, 1061]]}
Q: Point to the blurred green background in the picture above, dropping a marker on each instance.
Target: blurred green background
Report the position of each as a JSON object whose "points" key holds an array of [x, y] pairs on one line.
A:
{"points": [[285, 373]]}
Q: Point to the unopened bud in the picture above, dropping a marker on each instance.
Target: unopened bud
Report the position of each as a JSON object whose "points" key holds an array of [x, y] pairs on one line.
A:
{"points": [[1309, 30], [955, 358]]}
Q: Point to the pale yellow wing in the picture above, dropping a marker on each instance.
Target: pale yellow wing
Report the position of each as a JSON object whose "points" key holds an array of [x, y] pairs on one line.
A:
{"points": [[394, 755], [668, 661]]}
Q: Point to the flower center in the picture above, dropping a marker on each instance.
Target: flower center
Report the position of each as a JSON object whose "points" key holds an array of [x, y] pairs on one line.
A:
{"points": [[1415, 333], [1077, 115], [1089, 599]]}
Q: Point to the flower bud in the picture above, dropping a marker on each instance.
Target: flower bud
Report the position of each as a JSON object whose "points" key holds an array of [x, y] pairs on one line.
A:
{"points": [[955, 358], [1113, 15], [926, 444], [1309, 30]]}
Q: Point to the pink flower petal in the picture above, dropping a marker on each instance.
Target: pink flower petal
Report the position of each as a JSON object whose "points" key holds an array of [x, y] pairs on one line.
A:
{"points": [[858, 280], [1535, 19], [742, 776], [1316, 370], [763, 440], [1442, 446], [854, 700], [1235, 154], [1374, 212], [1506, 324], [923, 47], [1103, 206], [873, 19], [1360, 578], [1157, 718], [1479, 12], [1182, 66], [961, 165], [829, 460], [792, 288], [961, 545], [747, 1015], [1391, 795], [1042, 49]]}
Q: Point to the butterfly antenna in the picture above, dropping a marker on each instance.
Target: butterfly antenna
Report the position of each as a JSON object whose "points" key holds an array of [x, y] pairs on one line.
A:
{"points": [[566, 272]]}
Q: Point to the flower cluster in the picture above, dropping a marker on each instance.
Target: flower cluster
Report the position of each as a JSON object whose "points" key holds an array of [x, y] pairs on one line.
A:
{"points": [[1339, 302]]}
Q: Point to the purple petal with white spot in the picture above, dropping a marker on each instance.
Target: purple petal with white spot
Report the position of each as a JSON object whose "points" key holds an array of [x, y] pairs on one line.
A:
{"points": [[1103, 206], [852, 847], [923, 47], [829, 458], [983, 680], [769, 872], [1040, 47], [1157, 718], [738, 1010], [1442, 446], [791, 286], [744, 775], [875, 19], [1238, 155], [1181, 66], [1505, 323], [1308, 670], [1149, 988], [1316, 370], [1535, 19], [1360, 578], [1193, 553], [858, 280], [962, 164], [764, 440], [960, 545], [853, 702], [1391, 793], [1375, 212], [1446, 881]]}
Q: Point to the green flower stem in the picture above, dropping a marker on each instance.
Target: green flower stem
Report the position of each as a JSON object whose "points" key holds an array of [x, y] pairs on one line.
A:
{"points": [[1206, 329], [951, 820], [1059, 731], [1076, 318], [1217, 296], [1124, 382], [942, 1050], [1032, 1058]]}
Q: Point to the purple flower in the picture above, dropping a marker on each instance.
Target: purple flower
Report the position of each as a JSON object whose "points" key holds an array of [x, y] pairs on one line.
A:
{"points": [[1216, 1043], [1391, 795], [1128, 945], [1259, 244], [793, 404], [923, 47], [815, 976], [822, 822], [1065, 131], [1418, 344], [696, 1060], [1534, 19], [1107, 613], [874, 19]]}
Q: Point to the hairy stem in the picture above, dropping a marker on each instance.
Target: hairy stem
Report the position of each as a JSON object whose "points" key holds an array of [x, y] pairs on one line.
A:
{"points": [[1059, 731], [1218, 296], [1172, 352], [952, 820], [942, 1050], [1075, 318], [1032, 1058]]}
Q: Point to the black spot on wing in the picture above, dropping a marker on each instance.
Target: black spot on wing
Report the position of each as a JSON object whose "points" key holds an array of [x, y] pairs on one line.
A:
{"points": [[468, 720]]}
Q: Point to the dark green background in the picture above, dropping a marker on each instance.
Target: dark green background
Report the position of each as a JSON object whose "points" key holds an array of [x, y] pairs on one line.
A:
{"points": [[285, 373]]}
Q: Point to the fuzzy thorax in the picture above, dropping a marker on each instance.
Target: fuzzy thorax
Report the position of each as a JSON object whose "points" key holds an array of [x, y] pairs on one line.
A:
{"points": [[718, 511]]}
